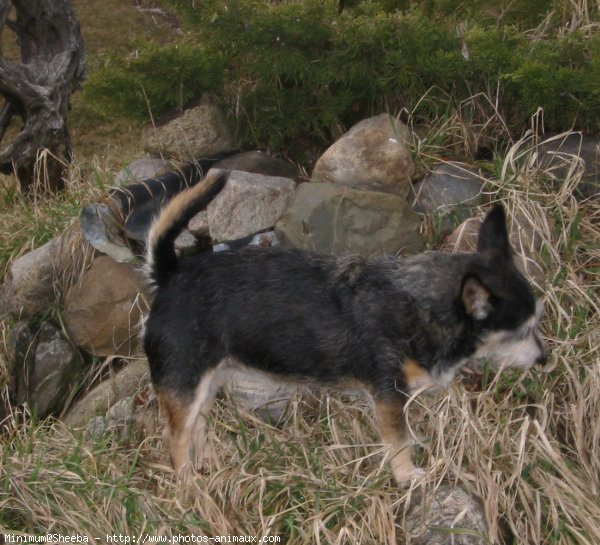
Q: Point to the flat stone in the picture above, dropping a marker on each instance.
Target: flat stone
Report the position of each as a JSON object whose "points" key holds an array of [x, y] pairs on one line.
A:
{"points": [[21, 357], [332, 219], [249, 203], [260, 162], [256, 393], [142, 169], [30, 287], [44, 367], [57, 365]]}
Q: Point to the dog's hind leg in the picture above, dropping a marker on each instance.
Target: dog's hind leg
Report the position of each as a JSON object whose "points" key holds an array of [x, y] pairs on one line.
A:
{"points": [[389, 413], [186, 416]]}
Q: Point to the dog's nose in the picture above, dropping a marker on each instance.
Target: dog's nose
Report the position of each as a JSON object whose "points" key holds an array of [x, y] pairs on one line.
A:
{"points": [[542, 359]]}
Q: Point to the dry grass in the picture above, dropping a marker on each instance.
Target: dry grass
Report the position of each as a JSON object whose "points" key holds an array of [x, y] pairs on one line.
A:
{"points": [[527, 445]]}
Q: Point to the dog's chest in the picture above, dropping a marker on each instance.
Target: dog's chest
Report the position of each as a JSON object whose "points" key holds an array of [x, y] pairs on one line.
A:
{"points": [[416, 377]]}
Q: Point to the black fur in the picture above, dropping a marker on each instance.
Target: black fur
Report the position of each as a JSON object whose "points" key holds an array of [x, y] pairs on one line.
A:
{"points": [[330, 319], [323, 318]]}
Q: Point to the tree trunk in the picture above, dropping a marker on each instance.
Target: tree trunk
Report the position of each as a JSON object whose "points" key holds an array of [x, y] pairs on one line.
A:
{"points": [[38, 89]]}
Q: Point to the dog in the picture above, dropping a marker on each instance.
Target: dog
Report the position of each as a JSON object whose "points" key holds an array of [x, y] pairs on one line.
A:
{"points": [[388, 324]]}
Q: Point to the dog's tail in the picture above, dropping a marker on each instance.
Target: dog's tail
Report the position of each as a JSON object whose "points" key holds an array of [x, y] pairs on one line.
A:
{"points": [[161, 260]]}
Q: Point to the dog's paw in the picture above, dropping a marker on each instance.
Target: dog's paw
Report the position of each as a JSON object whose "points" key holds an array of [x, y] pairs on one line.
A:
{"points": [[409, 475]]}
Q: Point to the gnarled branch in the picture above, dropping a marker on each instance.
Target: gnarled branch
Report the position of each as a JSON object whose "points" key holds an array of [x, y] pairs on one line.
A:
{"points": [[39, 88]]}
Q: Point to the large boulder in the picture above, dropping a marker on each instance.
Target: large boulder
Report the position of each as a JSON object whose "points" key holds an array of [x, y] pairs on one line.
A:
{"points": [[200, 131], [248, 203], [328, 218], [372, 155], [103, 310], [45, 367]]}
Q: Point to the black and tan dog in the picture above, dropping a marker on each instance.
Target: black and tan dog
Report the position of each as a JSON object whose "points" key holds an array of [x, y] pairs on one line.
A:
{"points": [[389, 324]]}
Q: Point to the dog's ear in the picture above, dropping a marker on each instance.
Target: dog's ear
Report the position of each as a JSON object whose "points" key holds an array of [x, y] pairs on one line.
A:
{"points": [[493, 236], [476, 298]]}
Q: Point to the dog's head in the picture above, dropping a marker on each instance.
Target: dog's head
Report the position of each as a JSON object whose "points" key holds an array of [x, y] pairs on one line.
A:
{"points": [[500, 301]]}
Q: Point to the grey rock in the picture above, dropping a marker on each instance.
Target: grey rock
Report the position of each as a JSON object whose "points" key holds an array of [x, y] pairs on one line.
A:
{"points": [[101, 229], [452, 191], [96, 427], [447, 516], [57, 365], [103, 310], [559, 155], [46, 368], [186, 243], [265, 240], [21, 357], [328, 218], [29, 288], [200, 131], [372, 155], [98, 401], [249, 203], [525, 240], [117, 421], [464, 238], [259, 162], [198, 225], [256, 393], [34, 281], [268, 239], [142, 169]]}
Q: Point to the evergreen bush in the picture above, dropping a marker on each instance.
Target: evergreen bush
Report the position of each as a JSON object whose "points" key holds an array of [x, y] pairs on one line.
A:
{"points": [[288, 70]]}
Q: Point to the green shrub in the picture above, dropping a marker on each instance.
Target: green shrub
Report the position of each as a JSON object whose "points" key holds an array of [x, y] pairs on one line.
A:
{"points": [[291, 70], [156, 81]]}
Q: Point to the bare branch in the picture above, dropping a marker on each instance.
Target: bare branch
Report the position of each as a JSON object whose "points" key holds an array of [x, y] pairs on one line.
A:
{"points": [[40, 86]]}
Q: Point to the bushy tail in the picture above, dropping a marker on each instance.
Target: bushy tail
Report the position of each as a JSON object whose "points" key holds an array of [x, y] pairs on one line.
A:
{"points": [[161, 260]]}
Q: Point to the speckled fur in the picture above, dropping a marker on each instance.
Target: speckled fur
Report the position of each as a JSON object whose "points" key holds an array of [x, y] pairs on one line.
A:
{"points": [[329, 320]]}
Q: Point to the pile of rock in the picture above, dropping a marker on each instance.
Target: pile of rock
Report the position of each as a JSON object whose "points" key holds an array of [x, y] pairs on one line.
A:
{"points": [[360, 199]]}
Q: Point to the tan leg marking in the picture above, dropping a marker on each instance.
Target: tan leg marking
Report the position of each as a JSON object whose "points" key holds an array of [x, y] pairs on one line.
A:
{"points": [[185, 419], [176, 411], [415, 376], [392, 427]]}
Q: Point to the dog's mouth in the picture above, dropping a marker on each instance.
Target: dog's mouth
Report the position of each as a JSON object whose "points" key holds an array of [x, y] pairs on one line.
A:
{"points": [[521, 350]]}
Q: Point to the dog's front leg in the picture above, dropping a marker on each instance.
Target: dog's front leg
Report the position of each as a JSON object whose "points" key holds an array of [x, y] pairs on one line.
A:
{"points": [[389, 412]]}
